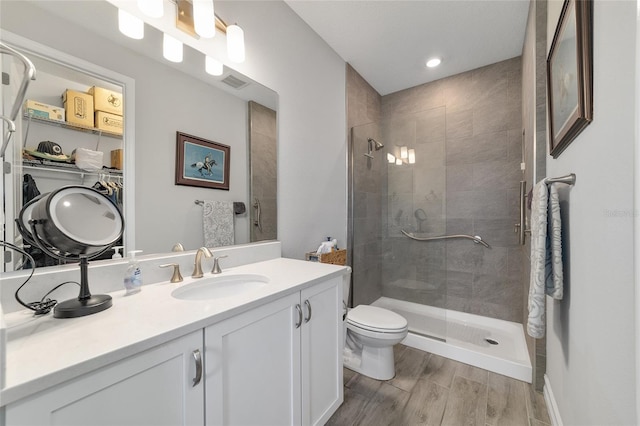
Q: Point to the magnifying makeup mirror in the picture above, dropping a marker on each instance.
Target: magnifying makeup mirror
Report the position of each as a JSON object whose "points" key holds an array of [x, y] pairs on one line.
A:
{"points": [[74, 223]]}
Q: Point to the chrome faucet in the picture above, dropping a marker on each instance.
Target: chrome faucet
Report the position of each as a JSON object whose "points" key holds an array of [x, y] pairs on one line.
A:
{"points": [[216, 264], [197, 267]]}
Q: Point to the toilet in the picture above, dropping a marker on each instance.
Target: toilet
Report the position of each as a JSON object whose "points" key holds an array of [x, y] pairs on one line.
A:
{"points": [[370, 334]]}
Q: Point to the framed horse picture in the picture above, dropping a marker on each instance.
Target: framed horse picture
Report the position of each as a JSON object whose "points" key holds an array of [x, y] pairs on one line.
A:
{"points": [[200, 162]]}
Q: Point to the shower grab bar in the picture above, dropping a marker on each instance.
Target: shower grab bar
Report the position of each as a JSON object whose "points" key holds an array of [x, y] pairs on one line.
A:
{"points": [[29, 74], [476, 239]]}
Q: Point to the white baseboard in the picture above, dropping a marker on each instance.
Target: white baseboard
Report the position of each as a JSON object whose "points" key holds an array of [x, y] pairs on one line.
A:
{"points": [[552, 406]]}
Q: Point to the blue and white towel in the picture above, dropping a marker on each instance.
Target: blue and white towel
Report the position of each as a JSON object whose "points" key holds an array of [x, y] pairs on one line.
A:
{"points": [[217, 221], [546, 254]]}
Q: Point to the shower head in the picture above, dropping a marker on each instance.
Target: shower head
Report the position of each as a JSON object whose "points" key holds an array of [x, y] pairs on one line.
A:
{"points": [[378, 146], [371, 145]]}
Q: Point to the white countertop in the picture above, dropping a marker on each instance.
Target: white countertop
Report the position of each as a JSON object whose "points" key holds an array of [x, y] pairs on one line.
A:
{"points": [[43, 351]]}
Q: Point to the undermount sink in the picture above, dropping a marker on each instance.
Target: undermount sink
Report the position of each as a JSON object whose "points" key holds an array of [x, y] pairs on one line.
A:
{"points": [[220, 286]]}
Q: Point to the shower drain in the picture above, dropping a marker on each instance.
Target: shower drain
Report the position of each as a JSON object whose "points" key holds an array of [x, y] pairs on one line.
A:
{"points": [[491, 341]]}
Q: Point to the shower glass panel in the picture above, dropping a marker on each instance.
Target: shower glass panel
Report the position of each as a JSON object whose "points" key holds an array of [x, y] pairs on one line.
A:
{"points": [[402, 188]]}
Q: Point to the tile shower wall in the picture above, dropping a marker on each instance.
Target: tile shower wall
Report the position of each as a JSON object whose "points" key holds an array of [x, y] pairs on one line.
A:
{"points": [[363, 117], [264, 171], [535, 141], [466, 130]]}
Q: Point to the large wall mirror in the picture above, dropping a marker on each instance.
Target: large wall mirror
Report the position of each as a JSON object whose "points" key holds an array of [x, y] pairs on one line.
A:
{"points": [[76, 45]]}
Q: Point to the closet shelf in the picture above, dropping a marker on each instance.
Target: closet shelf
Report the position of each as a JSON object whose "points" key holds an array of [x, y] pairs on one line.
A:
{"points": [[67, 168], [76, 127]]}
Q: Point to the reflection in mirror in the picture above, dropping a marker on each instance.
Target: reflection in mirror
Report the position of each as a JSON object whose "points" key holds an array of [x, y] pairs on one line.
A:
{"points": [[168, 98]]}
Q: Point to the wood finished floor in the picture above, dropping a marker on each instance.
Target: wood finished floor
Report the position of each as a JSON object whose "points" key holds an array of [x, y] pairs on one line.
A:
{"points": [[431, 390]]}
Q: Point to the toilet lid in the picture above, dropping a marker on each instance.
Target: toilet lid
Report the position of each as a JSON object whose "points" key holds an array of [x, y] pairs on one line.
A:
{"points": [[374, 318]]}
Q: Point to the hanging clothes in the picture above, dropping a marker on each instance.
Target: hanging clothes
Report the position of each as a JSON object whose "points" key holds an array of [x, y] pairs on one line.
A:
{"points": [[29, 189]]}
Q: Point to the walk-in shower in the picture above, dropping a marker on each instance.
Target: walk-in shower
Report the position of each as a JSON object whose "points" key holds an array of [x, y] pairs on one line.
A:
{"points": [[428, 241]]}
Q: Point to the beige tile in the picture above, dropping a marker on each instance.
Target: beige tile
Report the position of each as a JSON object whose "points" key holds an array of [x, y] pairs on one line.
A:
{"points": [[385, 408], [352, 407], [536, 406], [426, 404], [467, 403], [440, 370], [472, 373], [506, 401], [409, 365]]}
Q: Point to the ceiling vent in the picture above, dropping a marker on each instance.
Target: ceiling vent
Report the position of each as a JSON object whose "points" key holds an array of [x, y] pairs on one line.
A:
{"points": [[235, 82]]}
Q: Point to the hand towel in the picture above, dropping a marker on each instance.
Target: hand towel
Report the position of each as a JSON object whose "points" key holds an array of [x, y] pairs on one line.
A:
{"points": [[217, 220], [554, 276], [546, 255], [536, 319]]}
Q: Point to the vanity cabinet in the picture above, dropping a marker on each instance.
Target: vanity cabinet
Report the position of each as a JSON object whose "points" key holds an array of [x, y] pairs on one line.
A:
{"points": [[279, 364], [155, 387]]}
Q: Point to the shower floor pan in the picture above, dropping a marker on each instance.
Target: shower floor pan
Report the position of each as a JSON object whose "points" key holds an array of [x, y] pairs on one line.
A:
{"points": [[487, 343]]}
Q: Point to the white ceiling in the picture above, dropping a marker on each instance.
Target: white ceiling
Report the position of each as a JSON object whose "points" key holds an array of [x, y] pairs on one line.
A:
{"points": [[388, 42]]}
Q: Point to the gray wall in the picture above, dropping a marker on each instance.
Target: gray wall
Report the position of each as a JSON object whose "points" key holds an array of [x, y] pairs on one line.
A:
{"points": [[263, 149], [479, 146], [591, 336], [366, 176]]}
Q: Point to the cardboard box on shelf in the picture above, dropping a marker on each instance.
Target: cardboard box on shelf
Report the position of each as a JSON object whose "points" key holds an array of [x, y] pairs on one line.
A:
{"points": [[40, 110], [78, 107], [116, 159], [110, 122], [106, 100]]}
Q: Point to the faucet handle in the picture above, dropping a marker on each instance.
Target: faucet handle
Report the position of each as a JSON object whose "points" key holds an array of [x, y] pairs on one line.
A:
{"points": [[216, 264], [176, 277], [177, 247]]}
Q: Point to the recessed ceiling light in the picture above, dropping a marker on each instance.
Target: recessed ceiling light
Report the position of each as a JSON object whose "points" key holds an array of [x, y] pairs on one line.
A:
{"points": [[434, 62]]}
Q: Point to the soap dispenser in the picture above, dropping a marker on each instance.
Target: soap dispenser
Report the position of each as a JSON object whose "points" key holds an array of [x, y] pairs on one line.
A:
{"points": [[133, 275]]}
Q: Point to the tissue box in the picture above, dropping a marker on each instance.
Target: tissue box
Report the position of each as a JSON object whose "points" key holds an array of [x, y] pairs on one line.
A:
{"points": [[40, 110], [106, 100], [110, 122], [336, 257], [78, 107]]}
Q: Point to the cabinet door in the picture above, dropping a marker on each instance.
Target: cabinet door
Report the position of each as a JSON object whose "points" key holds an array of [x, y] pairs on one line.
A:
{"points": [[253, 367], [152, 388], [322, 351]]}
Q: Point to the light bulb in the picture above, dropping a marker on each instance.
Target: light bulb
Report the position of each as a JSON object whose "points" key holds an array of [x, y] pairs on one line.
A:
{"points": [[151, 8], [235, 43], [204, 18], [412, 156], [391, 158], [171, 49], [403, 152], [212, 66], [129, 25], [398, 162], [433, 62]]}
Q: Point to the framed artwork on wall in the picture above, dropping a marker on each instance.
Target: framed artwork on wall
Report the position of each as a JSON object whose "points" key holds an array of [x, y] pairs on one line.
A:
{"points": [[570, 75], [200, 162]]}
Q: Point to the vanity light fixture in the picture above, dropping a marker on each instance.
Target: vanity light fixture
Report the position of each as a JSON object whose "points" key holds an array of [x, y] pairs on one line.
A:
{"points": [[433, 62], [213, 66], [204, 19], [235, 43], [412, 156], [130, 25], [151, 8], [391, 158], [403, 152], [171, 48]]}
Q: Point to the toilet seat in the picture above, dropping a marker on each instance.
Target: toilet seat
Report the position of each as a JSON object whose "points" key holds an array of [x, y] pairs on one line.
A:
{"points": [[374, 319]]}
